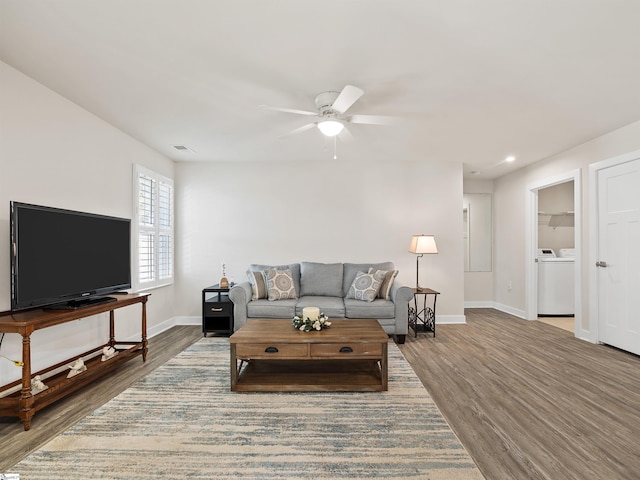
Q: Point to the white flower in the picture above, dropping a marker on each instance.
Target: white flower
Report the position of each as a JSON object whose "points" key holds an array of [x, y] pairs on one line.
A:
{"points": [[301, 327]]}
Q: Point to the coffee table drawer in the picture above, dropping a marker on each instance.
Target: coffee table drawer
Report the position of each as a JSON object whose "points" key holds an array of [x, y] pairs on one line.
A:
{"points": [[271, 350], [339, 350]]}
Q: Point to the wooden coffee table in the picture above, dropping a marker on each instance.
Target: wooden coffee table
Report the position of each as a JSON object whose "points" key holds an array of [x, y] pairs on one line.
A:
{"points": [[269, 355]]}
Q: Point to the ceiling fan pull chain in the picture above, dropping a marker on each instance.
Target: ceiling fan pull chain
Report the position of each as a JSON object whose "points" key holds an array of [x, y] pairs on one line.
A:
{"points": [[335, 147]]}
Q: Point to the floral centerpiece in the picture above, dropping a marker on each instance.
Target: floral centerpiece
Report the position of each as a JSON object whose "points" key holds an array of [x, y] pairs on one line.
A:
{"points": [[306, 324]]}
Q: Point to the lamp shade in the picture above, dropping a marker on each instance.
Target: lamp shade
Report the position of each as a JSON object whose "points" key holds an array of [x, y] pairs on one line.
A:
{"points": [[330, 128], [421, 244]]}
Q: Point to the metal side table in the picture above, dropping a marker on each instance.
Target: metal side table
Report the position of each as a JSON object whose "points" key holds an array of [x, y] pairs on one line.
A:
{"points": [[422, 315]]}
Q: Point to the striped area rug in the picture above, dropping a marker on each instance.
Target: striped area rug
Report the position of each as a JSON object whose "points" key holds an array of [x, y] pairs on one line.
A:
{"points": [[182, 421]]}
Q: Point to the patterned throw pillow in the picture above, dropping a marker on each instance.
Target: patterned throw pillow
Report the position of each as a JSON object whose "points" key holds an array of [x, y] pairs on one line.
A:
{"points": [[280, 284], [366, 286], [385, 288], [258, 283]]}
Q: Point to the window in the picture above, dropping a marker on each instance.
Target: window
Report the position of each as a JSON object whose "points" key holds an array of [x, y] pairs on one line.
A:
{"points": [[153, 229]]}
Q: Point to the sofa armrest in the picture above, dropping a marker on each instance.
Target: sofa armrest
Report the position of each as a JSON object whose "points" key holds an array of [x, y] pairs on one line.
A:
{"points": [[401, 295], [240, 295]]}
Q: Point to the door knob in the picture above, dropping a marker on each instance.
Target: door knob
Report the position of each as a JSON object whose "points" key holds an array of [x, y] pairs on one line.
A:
{"points": [[601, 264]]}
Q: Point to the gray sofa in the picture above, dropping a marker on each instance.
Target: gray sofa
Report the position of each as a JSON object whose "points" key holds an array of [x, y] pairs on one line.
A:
{"points": [[326, 286]]}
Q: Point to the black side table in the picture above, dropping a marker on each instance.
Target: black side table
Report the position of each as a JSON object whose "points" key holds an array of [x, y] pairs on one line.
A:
{"points": [[422, 316], [217, 311]]}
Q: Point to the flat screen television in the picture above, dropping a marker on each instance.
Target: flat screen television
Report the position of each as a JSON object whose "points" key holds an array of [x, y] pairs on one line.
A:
{"points": [[66, 259]]}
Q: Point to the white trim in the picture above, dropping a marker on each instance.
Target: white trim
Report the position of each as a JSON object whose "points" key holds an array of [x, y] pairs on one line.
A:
{"points": [[594, 319], [138, 286], [479, 304], [531, 246], [450, 320], [510, 310]]}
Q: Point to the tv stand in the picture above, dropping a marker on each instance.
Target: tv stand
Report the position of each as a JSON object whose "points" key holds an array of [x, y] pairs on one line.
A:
{"points": [[21, 402]]}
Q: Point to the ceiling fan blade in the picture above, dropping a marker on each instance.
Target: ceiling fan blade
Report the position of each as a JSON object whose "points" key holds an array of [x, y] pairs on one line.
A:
{"points": [[372, 119], [298, 130], [348, 96], [288, 110]]}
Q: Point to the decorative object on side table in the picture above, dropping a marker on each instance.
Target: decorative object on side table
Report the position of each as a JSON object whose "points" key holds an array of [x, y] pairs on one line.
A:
{"points": [[37, 385], [421, 244], [224, 282], [108, 352], [311, 319], [76, 367]]}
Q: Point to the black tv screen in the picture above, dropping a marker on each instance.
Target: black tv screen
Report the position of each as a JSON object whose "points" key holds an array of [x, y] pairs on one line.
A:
{"points": [[61, 256]]}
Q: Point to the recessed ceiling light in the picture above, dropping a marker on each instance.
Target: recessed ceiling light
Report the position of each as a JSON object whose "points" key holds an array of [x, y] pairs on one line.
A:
{"points": [[510, 159]]}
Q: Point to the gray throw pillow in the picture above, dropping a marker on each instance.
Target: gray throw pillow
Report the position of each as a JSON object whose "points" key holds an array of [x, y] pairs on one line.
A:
{"points": [[324, 279]]}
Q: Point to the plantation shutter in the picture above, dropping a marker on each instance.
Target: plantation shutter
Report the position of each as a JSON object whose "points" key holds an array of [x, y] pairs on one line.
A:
{"points": [[155, 221]]}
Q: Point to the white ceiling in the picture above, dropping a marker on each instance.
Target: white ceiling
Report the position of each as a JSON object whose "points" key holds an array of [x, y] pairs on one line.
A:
{"points": [[472, 81]]}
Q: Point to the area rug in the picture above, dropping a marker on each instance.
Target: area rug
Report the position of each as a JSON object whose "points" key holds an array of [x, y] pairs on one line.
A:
{"points": [[182, 421]]}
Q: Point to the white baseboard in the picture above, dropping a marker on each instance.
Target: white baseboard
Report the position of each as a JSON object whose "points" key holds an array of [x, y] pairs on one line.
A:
{"points": [[450, 319], [510, 310], [194, 320], [479, 304]]}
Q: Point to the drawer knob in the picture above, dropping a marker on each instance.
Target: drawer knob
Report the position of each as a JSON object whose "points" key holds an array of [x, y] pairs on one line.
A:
{"points": [[271, 350], [346, 350], [214, 309]]}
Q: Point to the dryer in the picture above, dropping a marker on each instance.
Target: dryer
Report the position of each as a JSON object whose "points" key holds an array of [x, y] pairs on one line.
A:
{"points": [[556, 279]]}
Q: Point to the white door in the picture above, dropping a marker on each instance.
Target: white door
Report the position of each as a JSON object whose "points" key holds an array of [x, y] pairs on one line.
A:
{"points": [[619, 256]]}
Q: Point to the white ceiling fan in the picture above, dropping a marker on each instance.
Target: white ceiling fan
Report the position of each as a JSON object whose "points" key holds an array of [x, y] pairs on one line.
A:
{"points": [[331, 112]]}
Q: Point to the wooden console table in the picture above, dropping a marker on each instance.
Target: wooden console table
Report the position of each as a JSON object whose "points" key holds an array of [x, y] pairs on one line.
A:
{"points": [[23, 403]]}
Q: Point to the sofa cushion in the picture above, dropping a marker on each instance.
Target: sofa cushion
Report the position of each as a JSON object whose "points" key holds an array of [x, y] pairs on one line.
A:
{"points": [[366, 286], [266, 309], [385, 287], [321, 279], [280, 284], [379, 308], [351, 269], [258, 283], [333, 307], [294, 267]]}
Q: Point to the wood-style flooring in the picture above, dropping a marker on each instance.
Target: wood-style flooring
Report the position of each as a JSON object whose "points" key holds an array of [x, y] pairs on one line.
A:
{"points": [[526, 399], [530, 401]]}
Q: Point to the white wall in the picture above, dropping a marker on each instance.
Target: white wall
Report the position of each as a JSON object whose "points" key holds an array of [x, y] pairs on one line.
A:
{"points": [[510, 208], [347, 210], [478, 286], [54, 153]]}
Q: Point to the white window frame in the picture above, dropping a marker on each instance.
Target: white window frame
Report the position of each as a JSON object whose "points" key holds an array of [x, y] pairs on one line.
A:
{"points": [[155, 229]]}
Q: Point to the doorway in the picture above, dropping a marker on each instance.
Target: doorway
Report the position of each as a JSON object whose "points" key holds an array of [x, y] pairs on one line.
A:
{"points": [[534, 234]]}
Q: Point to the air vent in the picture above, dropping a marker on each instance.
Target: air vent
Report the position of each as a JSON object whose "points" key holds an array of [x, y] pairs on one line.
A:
{"points": [[184, 148]]}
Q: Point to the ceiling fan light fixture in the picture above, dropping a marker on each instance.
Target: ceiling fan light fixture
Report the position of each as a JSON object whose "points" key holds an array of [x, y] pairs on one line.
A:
{"points": [[330, 128]]}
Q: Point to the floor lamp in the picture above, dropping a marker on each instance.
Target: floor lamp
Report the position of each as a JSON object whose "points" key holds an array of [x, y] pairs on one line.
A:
{"points": [[421, 244]]}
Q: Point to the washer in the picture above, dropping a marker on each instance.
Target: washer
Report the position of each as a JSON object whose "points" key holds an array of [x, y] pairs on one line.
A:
{"points": [[556, 279]]}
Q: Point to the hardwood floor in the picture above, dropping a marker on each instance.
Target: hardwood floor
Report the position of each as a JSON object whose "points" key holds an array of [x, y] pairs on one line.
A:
{"points": [[527, 400]]}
